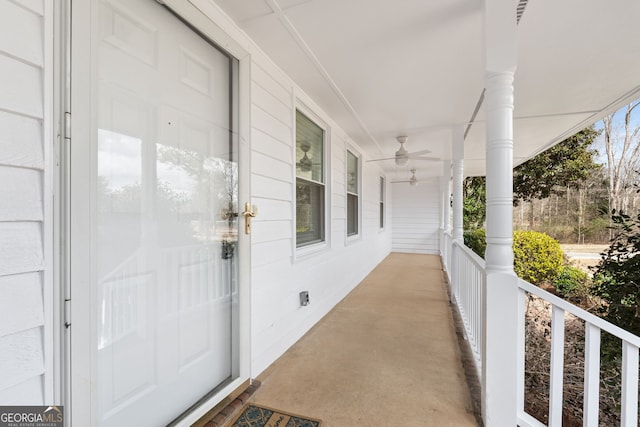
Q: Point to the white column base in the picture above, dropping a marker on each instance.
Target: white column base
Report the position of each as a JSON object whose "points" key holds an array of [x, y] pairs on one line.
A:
{"points": [[499, 361]]}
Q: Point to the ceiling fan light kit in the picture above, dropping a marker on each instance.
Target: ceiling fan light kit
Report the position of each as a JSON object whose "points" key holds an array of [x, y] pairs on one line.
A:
{"points": [[402, 156], [413, 180]]}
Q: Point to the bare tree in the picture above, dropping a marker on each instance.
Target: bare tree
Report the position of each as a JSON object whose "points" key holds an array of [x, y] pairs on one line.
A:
{"points": [[622, 146]]}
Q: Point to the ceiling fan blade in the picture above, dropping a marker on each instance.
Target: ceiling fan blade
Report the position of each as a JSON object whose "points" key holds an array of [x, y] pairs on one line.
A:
{"points": [[378, 160], [418, 153], [425, 158]]}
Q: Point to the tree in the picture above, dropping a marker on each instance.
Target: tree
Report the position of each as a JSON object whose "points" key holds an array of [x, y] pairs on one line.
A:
{"points": [[569, 164], [617, 276], [566, 164], [623, 155], [474, 205]]}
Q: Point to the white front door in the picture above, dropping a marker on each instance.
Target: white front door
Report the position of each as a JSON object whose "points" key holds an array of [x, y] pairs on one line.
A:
{"points": [[161, 192]]}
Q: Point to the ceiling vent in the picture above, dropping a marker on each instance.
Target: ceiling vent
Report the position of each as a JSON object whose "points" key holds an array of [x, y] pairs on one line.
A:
{"points": [[520, 9]]}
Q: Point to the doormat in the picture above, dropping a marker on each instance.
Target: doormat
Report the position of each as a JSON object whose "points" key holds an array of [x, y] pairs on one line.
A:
{"points": [[261, 416]]}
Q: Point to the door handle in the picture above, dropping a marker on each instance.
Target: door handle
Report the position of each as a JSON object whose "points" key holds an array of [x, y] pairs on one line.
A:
{"points": [[249, 212]]}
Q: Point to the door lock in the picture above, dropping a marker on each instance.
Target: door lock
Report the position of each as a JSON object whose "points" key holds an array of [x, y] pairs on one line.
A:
{"points": [[249, 212]]}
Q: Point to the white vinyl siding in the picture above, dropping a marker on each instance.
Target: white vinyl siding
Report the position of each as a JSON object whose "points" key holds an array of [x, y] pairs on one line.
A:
{"points": [[415, 218], [26, 284], [279, 271]]}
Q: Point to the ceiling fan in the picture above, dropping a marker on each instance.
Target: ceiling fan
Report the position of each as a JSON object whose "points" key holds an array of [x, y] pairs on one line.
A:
{"points": [[413, 180], [402, 156]]}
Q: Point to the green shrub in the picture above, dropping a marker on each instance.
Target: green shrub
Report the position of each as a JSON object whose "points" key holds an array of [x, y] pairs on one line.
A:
{"points": [[617, 276], [537, 257], [572, 282], [476, 240]]}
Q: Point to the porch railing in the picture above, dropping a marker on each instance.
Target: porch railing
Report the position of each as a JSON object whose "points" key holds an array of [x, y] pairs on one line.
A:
{"points": [[593, 326], [468, 279], [468, 282]]}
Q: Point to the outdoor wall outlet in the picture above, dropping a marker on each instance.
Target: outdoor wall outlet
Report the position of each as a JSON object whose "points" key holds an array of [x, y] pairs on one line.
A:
{"points": [[304, 298]]}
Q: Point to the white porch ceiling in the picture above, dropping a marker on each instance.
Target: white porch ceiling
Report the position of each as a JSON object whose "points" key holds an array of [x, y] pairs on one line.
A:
{"points": [[415, 67]]}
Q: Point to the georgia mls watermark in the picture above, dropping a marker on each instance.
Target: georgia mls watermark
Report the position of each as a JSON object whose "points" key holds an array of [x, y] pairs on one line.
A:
{"points": [[31, 416]]}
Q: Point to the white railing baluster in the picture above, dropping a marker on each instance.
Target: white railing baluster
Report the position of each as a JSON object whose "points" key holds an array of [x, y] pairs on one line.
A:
{"points": [[591, 405], [629, 411], [557, 367], [480, 315], [449, 252], [473, 308], [455, 271]]}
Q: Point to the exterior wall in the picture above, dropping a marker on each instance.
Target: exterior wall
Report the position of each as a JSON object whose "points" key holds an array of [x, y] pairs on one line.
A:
{"points": [[26, 285], [279, 273], [416, 217], [28, 304]]}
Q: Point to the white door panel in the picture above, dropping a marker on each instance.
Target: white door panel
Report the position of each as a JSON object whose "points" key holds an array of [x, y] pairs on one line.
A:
{"points": [[163, 168]]}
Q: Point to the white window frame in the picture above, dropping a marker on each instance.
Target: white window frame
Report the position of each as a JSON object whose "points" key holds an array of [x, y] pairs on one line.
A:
{"points": [[301, 252], [358, 194]]}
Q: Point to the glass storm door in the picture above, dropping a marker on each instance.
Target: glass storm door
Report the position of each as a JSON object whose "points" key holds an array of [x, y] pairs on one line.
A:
{"points": [[164, 187]]}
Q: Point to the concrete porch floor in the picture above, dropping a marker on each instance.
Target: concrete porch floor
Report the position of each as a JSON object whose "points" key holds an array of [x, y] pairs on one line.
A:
{"points": [[387, 355]]}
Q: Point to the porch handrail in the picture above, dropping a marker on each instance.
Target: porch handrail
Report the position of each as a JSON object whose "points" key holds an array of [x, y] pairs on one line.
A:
{"points": [[593, 327], [579, 312]]}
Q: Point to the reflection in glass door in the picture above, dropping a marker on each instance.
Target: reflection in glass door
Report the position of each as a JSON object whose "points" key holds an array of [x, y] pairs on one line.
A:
{"points": [[165, 185]]}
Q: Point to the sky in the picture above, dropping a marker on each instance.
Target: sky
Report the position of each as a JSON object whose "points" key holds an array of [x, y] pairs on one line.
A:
{"points": [[618, 126]]}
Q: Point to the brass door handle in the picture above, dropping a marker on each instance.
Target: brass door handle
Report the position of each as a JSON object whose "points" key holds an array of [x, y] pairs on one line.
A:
{"points": [[249, 212]]}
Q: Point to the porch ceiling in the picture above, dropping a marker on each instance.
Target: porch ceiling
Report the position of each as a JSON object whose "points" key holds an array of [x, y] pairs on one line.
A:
{"points": [[415, 67]]}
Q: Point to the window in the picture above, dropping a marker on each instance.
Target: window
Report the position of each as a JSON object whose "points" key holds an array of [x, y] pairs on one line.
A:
{"points": [[352, 194], [381, 202], [310, 187]]}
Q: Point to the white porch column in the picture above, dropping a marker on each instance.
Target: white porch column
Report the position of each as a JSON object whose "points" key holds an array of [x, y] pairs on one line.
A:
{"points": [[445, 196], [500, 361], [458, 176], [445, 212]]}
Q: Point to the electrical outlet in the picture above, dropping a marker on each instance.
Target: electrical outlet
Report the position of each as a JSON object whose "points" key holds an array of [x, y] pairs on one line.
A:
{"points": [[304, 298]]}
